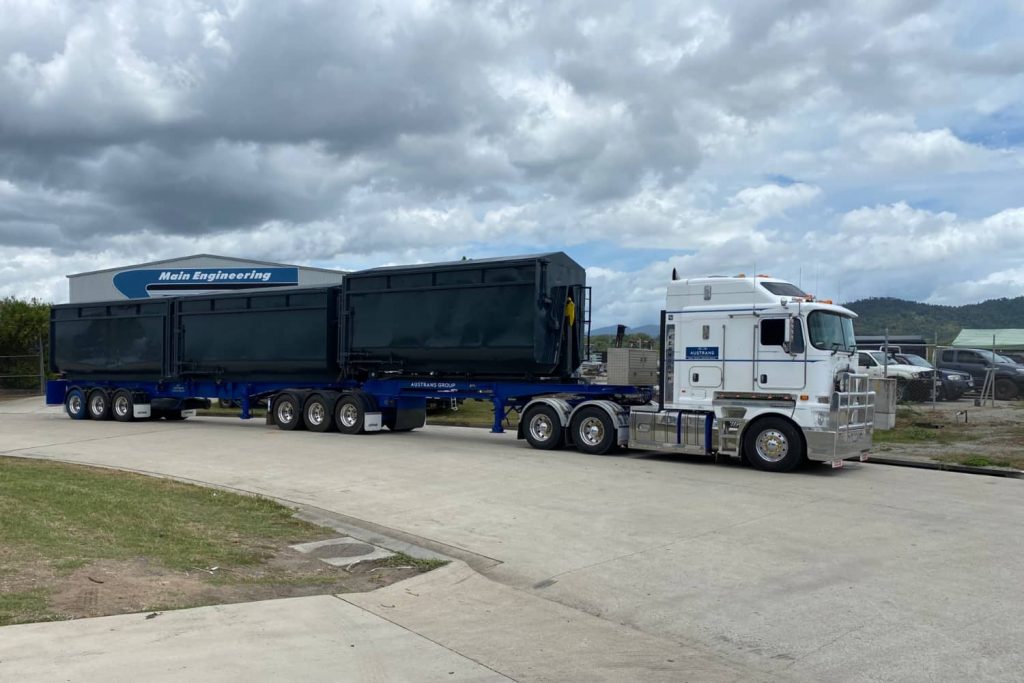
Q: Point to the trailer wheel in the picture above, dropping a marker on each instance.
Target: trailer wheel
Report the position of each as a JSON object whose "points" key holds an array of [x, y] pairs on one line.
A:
{"points": [[349, 414], [318, 414], [593, 431], [123, 406], [287, 412], [74, 405], [773, 445], [543, 428], [98, 405]]}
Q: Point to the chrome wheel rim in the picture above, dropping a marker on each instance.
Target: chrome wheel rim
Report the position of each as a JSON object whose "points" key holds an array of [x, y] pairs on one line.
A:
{"points": [[285, 412], [121, 406], [97, 405], [348, 415], [75, 404], [591, 431], [316, 414], [541, 427], [772, 445]]}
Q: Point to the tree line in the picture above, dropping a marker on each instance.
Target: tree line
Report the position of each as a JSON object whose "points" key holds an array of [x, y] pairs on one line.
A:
{"points": [[930, 321], [24, 327]]}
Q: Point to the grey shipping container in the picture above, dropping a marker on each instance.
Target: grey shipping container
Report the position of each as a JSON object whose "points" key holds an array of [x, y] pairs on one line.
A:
{"points": [[487, 318]]}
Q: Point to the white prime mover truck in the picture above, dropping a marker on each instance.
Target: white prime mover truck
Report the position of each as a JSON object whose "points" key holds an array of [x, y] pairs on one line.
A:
{"points": [[750, 367]]}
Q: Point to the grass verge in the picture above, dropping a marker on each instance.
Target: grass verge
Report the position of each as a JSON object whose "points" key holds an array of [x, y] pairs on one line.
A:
{"points": [[81, 541]]}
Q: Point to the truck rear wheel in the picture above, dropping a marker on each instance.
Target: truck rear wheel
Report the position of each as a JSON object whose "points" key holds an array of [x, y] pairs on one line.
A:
{"points": [[74, 405], [349, 414], [593, 431], [543, 428], [318, 414], [99, 405], [287, 412], [773, 444], [123, 406]]}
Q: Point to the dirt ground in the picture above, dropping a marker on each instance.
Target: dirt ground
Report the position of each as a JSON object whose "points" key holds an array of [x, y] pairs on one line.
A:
{"points": [[957, 432], [110, 587]]}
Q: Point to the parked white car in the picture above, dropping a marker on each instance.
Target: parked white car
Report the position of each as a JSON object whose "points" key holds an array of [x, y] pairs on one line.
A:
{"points": [[912, 382]]}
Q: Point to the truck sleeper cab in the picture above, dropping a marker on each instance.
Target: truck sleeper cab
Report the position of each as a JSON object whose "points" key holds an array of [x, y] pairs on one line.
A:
{"points": [[750, 367]]}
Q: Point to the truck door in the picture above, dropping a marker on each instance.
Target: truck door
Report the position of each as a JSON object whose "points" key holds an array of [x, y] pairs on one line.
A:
{"points": [[775, 367], [704, 357]]}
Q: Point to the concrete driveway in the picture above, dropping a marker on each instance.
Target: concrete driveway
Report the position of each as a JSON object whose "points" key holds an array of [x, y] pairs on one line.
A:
{"points": [[864, 573]]}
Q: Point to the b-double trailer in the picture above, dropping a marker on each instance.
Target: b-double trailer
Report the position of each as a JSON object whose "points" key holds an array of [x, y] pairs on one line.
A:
{"points": [[749, 367]]}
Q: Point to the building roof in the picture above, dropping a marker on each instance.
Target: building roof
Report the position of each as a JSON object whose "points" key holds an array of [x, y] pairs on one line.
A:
{"points": [[982, 339], [213, 256]]}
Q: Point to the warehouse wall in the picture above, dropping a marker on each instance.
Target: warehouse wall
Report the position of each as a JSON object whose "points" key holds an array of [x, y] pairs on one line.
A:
{"points": [[193, 275]]}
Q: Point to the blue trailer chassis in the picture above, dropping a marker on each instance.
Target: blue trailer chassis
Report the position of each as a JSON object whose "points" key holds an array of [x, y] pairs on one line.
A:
{"points": [[506, 396]]}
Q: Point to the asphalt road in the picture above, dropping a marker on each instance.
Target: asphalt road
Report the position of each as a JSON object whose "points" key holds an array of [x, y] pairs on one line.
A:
{"points": [[859, 574]]}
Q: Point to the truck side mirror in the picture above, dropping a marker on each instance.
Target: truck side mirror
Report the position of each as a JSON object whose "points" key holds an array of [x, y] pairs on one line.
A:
{"points": [[793, 338]]}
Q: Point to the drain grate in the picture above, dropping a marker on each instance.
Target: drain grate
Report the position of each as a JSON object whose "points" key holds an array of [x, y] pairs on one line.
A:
{"points": [[343, 552]]}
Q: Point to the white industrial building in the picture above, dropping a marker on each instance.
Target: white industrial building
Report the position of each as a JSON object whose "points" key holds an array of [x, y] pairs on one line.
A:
{"points": [[198, 274]]}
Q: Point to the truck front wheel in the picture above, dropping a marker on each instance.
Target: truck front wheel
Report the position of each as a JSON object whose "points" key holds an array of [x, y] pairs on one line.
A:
{"points": [[543, 429], [773, 445], [593, 431]]}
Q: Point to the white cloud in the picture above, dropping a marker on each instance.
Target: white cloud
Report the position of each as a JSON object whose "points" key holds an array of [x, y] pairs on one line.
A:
{"points": [[879, 143]]}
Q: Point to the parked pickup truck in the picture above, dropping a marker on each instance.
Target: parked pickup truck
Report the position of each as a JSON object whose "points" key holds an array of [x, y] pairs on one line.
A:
{"points": [[951, 385], [1009, 376], [912, 382]]}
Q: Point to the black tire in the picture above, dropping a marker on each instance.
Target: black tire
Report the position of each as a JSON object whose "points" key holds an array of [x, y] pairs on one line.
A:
{"points": [[1006, 390], [350, 414], [901, 390], [98, 405], [122, 404], [74, 404], [594, 431], [543, 429], [287, 412], [773, 444], [227, 403], [918, 391], [317, 414]]}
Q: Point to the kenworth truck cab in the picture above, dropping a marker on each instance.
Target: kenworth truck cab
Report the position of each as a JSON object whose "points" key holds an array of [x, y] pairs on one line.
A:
{"points": [[751, 367]]}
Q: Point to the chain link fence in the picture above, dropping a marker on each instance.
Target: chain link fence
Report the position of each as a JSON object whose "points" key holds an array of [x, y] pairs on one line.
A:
{"points": [[24, 374]]}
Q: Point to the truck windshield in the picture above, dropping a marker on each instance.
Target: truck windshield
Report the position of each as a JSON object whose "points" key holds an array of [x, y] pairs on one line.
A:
{"points": [[831, 331], [784, 289]]}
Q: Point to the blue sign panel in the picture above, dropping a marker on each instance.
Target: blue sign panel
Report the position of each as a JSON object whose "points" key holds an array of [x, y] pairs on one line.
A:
{"points": [[143, 283], [701, 353]]}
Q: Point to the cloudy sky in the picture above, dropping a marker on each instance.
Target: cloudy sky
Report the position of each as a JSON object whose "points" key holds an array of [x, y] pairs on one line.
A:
{"points": [[865, 149]]}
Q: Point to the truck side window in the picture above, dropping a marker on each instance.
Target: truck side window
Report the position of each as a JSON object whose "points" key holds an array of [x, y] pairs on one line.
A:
{"points": [[947, 356], [864, 360], [773, 332]]}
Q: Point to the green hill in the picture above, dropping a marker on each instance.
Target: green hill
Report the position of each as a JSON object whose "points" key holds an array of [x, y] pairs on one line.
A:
{"points": [[927, 320]]}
